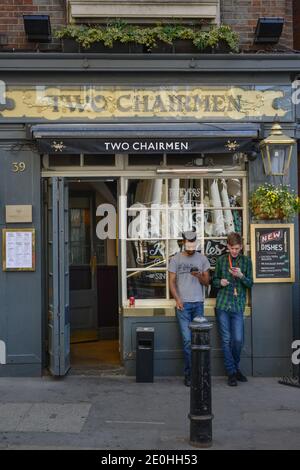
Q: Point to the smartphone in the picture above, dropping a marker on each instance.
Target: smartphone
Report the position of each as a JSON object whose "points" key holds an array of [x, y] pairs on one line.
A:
{"points": [[194, 270]]}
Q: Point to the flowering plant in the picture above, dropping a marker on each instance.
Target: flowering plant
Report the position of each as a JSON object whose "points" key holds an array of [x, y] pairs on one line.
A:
{"points": [[274, 202], [148, 36]]}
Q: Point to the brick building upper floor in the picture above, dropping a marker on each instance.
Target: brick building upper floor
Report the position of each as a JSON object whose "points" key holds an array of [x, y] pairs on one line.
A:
{"points": [[240, 15]]}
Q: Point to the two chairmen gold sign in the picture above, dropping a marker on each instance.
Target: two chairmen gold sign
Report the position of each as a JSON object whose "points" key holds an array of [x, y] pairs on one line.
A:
{"points": [[248, 102]]}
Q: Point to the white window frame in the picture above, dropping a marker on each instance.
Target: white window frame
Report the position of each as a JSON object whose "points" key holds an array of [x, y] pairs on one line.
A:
{"points": [[168, 302], [143, 11]]}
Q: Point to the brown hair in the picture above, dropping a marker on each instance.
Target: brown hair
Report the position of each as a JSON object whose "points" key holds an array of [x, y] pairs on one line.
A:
{"points": [[234, 239]]}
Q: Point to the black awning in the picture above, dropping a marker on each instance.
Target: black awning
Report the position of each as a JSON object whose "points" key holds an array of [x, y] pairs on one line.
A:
{"points": [[144, 138]]}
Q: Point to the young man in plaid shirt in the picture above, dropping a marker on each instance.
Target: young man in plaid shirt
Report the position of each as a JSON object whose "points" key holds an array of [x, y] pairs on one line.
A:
{"points": [[233, 276]]}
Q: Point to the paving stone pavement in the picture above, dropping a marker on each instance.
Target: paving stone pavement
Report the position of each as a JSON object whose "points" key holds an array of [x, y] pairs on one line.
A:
{"points": [[115, 413]]}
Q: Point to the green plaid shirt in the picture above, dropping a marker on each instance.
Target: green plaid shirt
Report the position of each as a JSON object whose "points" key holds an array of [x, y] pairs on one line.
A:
{"points": [[226, 300]]}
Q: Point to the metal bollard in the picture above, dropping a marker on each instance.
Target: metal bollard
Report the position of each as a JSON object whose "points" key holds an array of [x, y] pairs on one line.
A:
{"points": [[200, 405]]}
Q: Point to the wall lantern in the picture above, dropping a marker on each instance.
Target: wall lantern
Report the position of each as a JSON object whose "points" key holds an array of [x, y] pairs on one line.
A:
{"points": [[276, 151], [37, 28]]}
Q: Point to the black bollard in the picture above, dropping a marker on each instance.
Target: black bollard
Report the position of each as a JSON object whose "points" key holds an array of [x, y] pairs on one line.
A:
{"points": [[200, 407]]}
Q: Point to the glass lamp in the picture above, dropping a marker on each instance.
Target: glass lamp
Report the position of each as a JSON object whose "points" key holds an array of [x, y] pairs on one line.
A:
{"points": [[276, 151]]}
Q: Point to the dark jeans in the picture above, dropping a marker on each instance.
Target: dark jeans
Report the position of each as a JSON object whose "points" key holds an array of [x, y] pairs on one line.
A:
{"points": [[231, 329], [185, 317]]}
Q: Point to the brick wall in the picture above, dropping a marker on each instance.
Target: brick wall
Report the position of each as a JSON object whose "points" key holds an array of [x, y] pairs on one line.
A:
{"points": [[242, 15], [11, 19]]}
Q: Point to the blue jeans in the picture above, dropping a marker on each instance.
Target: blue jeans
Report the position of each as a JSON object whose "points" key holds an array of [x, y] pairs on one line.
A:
{"points": [[185, 317], [231, 329]]}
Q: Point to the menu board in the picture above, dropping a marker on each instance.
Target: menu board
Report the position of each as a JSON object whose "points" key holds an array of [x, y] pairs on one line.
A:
{"points": [[18, 248], [272, 249]]}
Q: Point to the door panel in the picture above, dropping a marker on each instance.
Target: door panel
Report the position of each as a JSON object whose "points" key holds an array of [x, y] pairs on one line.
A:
{"points": [[83, 284], [58, 277], [64, 276], [108, 315], [53, 281]]}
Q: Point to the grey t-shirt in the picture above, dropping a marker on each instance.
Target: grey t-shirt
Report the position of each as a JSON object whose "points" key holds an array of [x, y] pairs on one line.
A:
{"points": [[188, 286]]}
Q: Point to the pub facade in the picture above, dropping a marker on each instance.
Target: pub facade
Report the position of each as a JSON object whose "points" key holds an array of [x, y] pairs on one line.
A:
{"points": [[105, 161]]}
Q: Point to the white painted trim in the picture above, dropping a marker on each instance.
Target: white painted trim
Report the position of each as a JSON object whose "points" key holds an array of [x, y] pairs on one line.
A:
{"points": [[132, 173]]}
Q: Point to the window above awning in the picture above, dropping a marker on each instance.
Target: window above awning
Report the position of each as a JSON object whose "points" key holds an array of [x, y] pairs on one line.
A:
{"points": [[145, 11], [145, 138]]}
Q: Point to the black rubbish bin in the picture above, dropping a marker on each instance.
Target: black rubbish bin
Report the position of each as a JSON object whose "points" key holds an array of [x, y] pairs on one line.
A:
{"points": [[144, 354]]}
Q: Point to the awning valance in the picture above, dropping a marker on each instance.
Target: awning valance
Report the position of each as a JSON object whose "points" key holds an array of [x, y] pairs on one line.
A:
{"points": [[144, 138]]}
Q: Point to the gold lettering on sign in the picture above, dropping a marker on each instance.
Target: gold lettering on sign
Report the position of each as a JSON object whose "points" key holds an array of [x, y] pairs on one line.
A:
{"points": [[94, 102], [18, 167]]}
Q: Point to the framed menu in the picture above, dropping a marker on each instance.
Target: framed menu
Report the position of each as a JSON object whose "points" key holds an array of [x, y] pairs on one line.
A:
{"points": [[18, 249], [273, 253]]}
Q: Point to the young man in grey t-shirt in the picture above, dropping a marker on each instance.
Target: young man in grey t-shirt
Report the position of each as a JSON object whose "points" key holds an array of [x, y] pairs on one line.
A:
{"points": [[188, 273]]}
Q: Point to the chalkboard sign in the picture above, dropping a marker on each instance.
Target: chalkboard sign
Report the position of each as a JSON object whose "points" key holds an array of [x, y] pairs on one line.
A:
{"points": [[272, 248]]}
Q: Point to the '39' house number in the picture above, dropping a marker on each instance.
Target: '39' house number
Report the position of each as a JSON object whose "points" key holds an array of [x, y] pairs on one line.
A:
{"points": [[18, 167]]}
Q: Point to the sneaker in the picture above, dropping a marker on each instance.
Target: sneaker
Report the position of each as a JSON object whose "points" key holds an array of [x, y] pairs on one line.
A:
{"points": [[240, 377], [200, 319], [232, 382], [187, 381]]}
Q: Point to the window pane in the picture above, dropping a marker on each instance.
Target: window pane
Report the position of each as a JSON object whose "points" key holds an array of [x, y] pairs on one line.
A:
{"points": [[199, 160], [146, 192], [64, 160], [182, 217], [147, 285], [174, 246], [184, 159], [221, 192], [100, 252], [147, 223], [143, 253], [147, 209], [79, 254], [219, 223], [80, 247], [213, 249], [99, 160], [185, 209], [278, 159], [150, 160], [185, 190]]}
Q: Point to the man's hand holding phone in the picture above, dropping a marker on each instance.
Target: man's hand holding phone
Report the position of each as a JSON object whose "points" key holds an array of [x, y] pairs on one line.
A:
{"points": [[236, 272], [195, 272]]}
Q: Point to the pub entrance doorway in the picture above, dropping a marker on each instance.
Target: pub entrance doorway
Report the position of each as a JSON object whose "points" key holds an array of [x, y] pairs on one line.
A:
{"points": [[81, 274]]}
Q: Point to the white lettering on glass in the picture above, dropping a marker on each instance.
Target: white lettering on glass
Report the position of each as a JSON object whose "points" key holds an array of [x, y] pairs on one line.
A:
{"points": [[2, 352]]}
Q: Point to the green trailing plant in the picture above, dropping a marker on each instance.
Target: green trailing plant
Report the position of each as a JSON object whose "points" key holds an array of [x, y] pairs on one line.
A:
{"points": [[149, 36], [200, 40], [223, 34], [274, 202]]}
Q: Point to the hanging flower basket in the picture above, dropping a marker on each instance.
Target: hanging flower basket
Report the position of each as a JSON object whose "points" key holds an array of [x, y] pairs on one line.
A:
{"points": [[259, 214], [270, 202]]}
